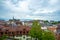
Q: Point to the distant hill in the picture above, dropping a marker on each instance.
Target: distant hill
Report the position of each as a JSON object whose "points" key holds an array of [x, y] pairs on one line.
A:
{"points": [[1, 19]]}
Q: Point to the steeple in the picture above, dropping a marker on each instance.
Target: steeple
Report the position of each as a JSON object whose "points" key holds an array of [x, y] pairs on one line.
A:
{"points": [[13, 17]]}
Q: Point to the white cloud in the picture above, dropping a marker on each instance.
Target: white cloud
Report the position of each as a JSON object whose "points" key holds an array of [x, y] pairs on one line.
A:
{"points": [[34, 17], [53, 2], [27, 8], [45, 11], [21, 6]]}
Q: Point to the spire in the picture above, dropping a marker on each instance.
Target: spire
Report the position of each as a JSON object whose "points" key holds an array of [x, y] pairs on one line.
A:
{"points": [[13, 17]]}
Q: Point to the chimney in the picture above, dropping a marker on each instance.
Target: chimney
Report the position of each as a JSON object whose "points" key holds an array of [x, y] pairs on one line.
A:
{"points": [[23, 23]]}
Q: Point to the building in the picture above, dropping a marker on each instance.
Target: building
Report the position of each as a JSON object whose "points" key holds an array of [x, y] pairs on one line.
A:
{"points": [[56, 30], [16, 32], [19, 30]]}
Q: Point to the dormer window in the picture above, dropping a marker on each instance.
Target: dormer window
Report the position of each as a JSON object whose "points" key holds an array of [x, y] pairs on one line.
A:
{"points": [[6, 29], [24, 29]]}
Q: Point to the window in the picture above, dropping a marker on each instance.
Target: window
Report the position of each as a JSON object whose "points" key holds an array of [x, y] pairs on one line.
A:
{"points": [[12, 32], [5, 32], [27, 32], [17, 31], [24, 32], [9, 32], [0, 28], [20, 32], [1, 33]]}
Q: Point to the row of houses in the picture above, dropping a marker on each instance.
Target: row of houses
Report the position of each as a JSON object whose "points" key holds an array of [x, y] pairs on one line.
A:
{"points": [[20, 29]]}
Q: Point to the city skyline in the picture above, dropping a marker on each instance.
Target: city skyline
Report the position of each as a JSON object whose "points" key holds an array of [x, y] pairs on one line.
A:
{"points": [[30, 9]]}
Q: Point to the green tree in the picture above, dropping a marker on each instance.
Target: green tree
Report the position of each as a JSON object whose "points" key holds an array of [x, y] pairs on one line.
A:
{"points": [[55, 22], [48, 35], [38, 33], [46, 21]]}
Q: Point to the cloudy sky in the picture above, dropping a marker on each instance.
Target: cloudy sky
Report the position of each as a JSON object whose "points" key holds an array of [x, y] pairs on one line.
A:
{"points": [[30, 9]]}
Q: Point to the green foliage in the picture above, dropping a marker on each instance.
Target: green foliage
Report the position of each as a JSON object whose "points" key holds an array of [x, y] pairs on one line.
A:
{"points": [[48, 35], [55, 23], [46, 21], [37, 32], [3, 37]]}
